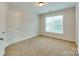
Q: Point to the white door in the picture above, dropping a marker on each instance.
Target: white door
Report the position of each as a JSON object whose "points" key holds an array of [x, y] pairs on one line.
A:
{"points": [[13, 26], [3, 30]]}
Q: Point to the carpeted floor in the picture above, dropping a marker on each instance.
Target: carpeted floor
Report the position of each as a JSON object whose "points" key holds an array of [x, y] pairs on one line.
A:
{"points": [[41, 46]]}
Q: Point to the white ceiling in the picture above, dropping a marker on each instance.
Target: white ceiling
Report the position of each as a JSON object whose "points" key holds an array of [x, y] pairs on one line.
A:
{"points": [[51, 6]]}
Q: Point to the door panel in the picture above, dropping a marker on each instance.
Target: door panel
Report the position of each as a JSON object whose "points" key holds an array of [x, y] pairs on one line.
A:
{"points": [[13, 26], [3, 31]]}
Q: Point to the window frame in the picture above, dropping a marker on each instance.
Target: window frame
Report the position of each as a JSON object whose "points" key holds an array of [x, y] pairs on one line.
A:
{"points": [[62, 31]]}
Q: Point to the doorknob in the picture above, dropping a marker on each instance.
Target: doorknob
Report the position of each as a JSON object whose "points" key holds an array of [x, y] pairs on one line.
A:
{"points": [[1, 39]]}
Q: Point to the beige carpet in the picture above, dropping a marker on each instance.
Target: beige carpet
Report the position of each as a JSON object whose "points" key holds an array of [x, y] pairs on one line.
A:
{"points": [[41, 46]]}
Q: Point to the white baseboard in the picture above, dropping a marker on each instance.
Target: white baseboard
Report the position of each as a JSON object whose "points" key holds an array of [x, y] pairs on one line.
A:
{"points": [[28, 37], [21, 39], [67, 39]]}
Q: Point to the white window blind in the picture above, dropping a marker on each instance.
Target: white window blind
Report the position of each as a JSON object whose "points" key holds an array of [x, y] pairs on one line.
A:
{"points": [[54, 24]]}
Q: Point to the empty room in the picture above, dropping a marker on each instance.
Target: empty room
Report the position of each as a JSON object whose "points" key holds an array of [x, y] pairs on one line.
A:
{"points": [[39, 29]]}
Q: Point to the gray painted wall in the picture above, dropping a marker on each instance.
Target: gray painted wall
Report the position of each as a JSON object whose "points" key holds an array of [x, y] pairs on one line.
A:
{"points": [[29, 23], [69, 22]]}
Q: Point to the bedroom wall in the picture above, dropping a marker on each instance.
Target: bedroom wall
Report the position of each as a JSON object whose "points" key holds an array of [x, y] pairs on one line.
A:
{"points": [[69, 22], [29, 23]]}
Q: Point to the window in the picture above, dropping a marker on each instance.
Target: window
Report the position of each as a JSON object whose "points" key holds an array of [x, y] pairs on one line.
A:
{"points": [[54, 24]]}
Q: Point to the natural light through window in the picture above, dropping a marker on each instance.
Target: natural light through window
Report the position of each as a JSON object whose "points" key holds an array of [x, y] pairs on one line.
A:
{"points": [[54, 24]]}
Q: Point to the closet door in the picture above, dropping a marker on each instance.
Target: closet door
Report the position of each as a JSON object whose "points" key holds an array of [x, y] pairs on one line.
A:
{"points": [[13, 26], [3, 28]]}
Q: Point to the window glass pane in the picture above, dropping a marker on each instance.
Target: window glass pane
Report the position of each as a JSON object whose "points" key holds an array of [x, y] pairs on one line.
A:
{"points": [[54, 24], [49, 23]]}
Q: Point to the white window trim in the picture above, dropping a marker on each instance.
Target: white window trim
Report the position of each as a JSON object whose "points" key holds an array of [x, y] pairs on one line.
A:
{"points": [[55, 32]]}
